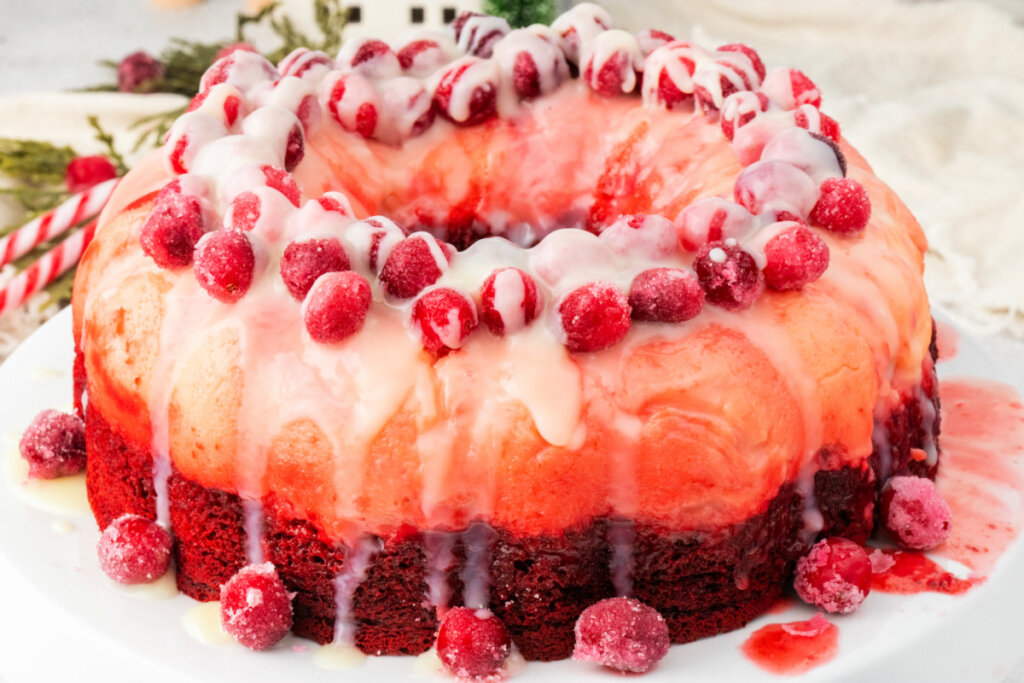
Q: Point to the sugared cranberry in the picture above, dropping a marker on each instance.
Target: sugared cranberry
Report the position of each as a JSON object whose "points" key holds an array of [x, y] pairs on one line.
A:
{"points": [[775, 183], [652, 237], [843, 207], [224, 264], [622, 634], [303, 262], [712, 219], [665, 63], [414, 264], [508, 301], [283, 182], [133, 549], [814, 154], [595, 317], [54, 445], [223, 101], [139, 72], [613, 76], [795, 256], [667, 295], [472, 643], [729, 275], [915, 513], [651, 39], [189, 134], [172, 229], [835, 575], [739, 109], [443, 318], [232, 48], [353, 103], [241, 68], [84, 172], [255, 607], [477, 33], [375, 58], [811, 118], [789, 88], [336, 306], [420, 54], [301, 61], [481, 104], [755, 62]]}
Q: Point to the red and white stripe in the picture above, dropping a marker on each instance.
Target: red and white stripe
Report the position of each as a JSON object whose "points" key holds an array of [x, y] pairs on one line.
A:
{"points": [[48, 268], [70, 213]]}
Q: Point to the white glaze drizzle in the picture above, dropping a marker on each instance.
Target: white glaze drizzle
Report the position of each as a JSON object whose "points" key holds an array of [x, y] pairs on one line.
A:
{"points": [[357, 563]]}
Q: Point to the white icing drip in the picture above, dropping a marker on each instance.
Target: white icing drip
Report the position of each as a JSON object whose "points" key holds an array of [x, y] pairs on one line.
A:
{"points": [[621, 537], [202, 623], [928, 419], [357, 563], [756, 242], [232, 164], [678, 60], [314, 221], [572, 257], [730, 220], [798, 147], [477, 35], [404, 104], [275, 212], [475, 572], [216, 99], [382, 65], [305, 65], [478, 73], [649, 41], [196, 131], [299, 96], [427, 61], [360, 238], [749, 140], [778, 185], [617, 45], [273, 125], [740, 105], [552, 69], [778, 86], [246, 71], [253, 512], [358, 92], [338, 658], [438, 548], [510, 300], [579, 26], [653, 237], [710, 74]]}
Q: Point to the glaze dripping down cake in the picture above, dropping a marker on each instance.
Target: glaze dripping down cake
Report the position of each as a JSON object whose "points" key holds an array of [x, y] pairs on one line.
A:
{"points": [[510, 319]]}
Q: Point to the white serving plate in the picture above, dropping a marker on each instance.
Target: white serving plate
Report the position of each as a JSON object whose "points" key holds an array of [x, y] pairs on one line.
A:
{"points": [[60, 619]]}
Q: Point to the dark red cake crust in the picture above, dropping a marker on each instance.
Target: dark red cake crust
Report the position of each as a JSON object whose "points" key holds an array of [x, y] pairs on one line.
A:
{"points": [[702, 583]]}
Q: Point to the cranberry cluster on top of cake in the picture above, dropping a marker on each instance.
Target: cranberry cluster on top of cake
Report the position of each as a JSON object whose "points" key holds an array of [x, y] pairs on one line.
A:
{"points": [[235, 214]]}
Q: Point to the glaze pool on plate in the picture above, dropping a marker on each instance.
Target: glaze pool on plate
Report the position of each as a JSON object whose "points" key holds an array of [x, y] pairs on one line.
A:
{"points": [[72, 623]]}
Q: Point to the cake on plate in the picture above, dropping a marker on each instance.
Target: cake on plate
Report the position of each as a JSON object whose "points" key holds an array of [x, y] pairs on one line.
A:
{"points": [[516, 320]]}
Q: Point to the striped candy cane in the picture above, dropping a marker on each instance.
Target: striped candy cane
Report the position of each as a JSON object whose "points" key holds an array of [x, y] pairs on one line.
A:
{"points": [[52, 223], [48, 268]]}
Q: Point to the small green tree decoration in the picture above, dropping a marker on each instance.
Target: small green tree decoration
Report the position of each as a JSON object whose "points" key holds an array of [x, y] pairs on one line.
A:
{"points": [[520, 13]]}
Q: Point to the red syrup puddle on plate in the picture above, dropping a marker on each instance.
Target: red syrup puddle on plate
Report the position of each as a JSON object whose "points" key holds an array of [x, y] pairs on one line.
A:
{"points": [[981, 473], [794, 647], [910, 572], [947, 339]]}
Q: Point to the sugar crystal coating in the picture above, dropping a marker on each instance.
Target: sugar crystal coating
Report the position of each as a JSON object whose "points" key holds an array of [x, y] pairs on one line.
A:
{"points": [[54, 445], [669, 295], [139, 72], [443, 318], [172, 229], [84, 172], [133, 549], [729, 275], [336, 306], [795, 256], [509, 301], [835, 575], [594, 317], [472, 643], [412, 266], [255, 607], [622, 634], [844, 206], [915, 513], [306, 260], [224, 264]]}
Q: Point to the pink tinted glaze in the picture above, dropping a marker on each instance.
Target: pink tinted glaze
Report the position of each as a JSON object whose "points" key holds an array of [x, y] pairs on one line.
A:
{"points": [[982, 472], [948, 340], [793, 648], [912, 572]]}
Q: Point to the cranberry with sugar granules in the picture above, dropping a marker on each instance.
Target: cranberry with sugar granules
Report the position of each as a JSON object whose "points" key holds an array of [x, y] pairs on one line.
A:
{"points": [[667, 295], [509, 301], [415, 263], [224, 264], [472, 642], [843, 207], [594, 317], [729, 275], [54, 445], [172, 229], [336, 306], [834, 575], [795, 256], [622, 634], [133, 549], [139, 72], [915, 513], [443, 318], [304, 261], [84, 172], [255, 606]]}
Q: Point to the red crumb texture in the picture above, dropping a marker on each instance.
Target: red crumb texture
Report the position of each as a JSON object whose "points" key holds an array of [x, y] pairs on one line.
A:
{"points": [[795, 647], [255, 607], [621, 634], [53, 445], [134, 549]]}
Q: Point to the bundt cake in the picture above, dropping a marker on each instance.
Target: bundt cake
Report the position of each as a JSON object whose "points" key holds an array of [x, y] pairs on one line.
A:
{"points": [[519, 319]]}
